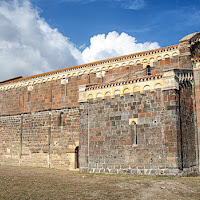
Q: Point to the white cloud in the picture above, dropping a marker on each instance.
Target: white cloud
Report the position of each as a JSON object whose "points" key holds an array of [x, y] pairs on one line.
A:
{"points": [[28, 45], [114, 44]]}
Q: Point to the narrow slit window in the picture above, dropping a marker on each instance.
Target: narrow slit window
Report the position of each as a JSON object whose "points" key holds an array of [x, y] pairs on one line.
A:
{"points": [[29, 96], [134, 135], [65, 89], [148, 70], [60, 119]]}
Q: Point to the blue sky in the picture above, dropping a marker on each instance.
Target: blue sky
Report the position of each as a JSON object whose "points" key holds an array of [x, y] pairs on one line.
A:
{"points": [[37, 36], [152, 20]]}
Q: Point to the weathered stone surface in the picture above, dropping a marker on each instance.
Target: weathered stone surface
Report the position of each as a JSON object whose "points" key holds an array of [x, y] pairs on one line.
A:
{"points": [[40, 139], [113, 142], [150, 127]]}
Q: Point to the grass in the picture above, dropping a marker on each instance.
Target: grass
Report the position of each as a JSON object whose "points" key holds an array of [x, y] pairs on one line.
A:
{"points": [[42, 183]]}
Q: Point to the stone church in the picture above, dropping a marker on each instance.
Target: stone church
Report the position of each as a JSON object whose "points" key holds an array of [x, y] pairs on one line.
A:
{"points": [[134, 114]]}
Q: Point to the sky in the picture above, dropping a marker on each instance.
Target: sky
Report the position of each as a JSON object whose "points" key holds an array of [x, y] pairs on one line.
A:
{"points": [[38, 36]]}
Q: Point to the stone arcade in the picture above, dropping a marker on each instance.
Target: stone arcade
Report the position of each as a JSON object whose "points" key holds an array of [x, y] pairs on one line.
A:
{"points": [[137, 114]]}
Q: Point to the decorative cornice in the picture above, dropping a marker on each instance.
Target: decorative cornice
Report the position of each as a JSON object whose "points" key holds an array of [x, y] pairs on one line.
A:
{"points": [[120, 88], [130, 81], [196, 60], [169, 80], [99, 67], [196, 64], [195, 41]]}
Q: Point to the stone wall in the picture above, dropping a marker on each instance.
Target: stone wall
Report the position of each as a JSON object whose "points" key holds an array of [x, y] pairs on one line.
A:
{"points": [[148, 132], [42, 139], [187, 125], [58, 95], [197, 114], [25, 123], [110, 143], [10, 147]]}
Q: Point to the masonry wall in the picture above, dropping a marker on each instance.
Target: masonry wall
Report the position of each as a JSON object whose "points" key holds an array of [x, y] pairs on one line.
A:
{"points": [[54, 95], [194, 142], [39, 125], [197, 115], [10, 128], [108, 141], [42, 139], [188, 143]]}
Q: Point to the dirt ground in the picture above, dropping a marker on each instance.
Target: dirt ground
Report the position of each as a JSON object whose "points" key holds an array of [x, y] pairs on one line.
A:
{"points": [[42, 183]]}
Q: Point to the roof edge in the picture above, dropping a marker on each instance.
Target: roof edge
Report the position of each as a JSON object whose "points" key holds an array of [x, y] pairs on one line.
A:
{"points": [[189, 37], [91, 64]]}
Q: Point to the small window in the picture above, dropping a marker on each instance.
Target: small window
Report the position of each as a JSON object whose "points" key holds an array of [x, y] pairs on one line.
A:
{"points": [[65, 89], [60, 119], [134, 136], [148, 70], [29, 96]]}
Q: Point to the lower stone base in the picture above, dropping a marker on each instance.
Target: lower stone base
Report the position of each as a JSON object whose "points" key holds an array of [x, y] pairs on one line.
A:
{"points": [[193, 171], [57, 161]]}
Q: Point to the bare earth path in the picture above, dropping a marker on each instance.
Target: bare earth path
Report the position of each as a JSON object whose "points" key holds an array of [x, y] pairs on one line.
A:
{"points": [[41, 183]]}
